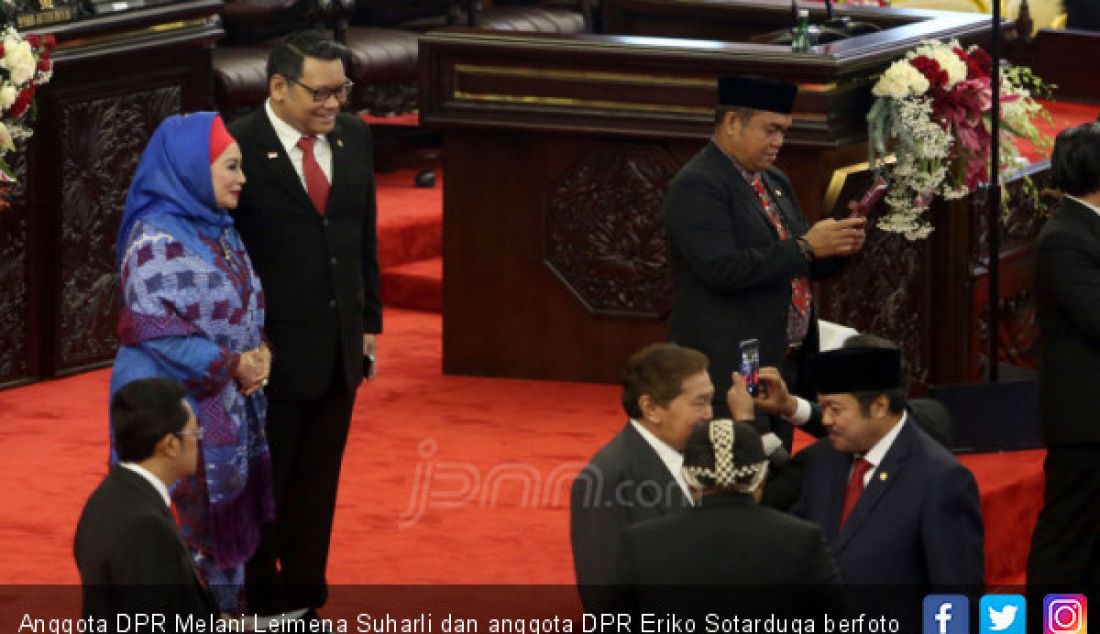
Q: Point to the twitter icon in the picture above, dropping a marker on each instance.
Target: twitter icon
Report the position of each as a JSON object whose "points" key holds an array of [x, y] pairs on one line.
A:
{"points": [[1003, 614]]}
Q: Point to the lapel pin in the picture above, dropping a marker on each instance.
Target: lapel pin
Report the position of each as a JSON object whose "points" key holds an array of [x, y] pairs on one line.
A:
{"points": [[272, 155], [778, 193], [882, 475], [339, 143]]}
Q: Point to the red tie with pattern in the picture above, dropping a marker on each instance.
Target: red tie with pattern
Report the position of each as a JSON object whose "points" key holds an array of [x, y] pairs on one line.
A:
{"points": [[801, 293], [855, 488], [317, 184]]}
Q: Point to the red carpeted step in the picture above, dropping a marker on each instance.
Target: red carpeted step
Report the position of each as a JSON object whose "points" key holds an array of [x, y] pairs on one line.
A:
{"points": [[416, 285], [410, 218]]}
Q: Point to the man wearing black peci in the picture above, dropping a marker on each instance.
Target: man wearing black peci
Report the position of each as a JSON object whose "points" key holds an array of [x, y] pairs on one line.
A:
{"points": [[743, 255], [307, 216]]}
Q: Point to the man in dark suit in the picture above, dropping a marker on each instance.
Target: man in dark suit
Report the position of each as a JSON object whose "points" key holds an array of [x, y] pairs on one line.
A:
{"points": [[727, 539], [128, 549], [666, 393], [743, 255], [307, 216], [1083, 14], [1065, 547], [895, 506], [784, 489]]}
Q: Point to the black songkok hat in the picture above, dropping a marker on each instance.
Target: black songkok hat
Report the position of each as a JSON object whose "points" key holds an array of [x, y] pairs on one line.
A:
{"points": [[757, 93], [850, 370]]}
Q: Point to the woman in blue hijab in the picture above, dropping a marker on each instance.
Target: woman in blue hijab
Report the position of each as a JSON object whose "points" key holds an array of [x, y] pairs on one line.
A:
{"points": [[193, 311]]}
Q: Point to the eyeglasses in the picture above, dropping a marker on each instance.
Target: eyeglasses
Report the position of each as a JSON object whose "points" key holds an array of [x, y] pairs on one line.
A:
{"points": [[321, 95], [197, 433]]}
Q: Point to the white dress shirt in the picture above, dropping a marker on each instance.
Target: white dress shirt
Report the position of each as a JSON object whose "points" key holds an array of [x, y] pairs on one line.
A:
{"points": [[153, 480], [877, 453], [289, 137], [673, 459]]}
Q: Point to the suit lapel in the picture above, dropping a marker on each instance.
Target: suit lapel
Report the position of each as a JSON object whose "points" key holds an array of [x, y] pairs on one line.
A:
{"points": [[340, 164], [782, 203], [648, 466], [742, 188], [882, 479], [273, 158]]}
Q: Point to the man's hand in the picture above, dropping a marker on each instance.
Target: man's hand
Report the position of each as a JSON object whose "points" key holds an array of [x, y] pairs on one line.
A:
{"points": [[774, 398], [370, 349], [831, 237], [739, 400]]}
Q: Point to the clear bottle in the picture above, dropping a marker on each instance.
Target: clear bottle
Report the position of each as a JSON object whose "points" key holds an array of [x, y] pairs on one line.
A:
{"points": [[800, 41]]}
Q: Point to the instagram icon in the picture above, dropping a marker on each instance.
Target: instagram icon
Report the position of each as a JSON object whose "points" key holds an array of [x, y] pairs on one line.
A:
{"points": [[1065, 614]]}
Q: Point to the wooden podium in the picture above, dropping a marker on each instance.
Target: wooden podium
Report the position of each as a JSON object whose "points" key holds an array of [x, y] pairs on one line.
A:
{"points": [[115, 78], [558, 149]]}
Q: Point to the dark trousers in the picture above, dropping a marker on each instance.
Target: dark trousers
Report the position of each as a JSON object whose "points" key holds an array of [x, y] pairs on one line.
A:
{"points": [[307, 440], [1065, 547]]}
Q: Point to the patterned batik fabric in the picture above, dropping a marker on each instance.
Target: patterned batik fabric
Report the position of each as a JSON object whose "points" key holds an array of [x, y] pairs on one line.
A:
{"points": [[189, 318]]}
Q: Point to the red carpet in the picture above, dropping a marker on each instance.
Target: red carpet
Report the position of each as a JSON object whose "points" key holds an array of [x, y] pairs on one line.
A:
{"points": [[410, 241], [499, 456]]}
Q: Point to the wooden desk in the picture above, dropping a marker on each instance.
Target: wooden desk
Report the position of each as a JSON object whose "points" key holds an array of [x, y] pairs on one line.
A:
{"points": [[115, 78]]}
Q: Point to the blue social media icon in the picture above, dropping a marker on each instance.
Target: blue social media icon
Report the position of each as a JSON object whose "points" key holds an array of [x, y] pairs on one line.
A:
{"points": [[946, 614], [1002, 614]]}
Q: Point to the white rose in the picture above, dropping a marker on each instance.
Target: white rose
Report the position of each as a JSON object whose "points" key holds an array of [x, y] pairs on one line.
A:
{"points": [[950, 62], [900, 81], [19, 60], [7, 96]]}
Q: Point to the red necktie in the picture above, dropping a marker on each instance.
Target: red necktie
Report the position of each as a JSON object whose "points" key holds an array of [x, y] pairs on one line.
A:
{"points": [[801, 293], [855, 488], [316, 184]]}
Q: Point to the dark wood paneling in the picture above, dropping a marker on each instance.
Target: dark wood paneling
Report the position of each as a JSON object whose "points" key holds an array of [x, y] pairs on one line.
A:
{"points": [[115, 78], [557, 148]]}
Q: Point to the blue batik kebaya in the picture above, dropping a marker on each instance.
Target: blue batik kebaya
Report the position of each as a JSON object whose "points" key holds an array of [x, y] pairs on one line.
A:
{"points": [[193, 310]]}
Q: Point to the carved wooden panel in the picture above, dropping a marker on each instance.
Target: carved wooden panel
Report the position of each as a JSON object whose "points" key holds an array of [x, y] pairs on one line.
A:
{"points": [[1018, 330], [14, 309], [102, 140], [881, 292], [605, 237]]}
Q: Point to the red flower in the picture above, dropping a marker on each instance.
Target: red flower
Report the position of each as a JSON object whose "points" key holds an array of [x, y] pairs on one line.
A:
{"points": [[1, 48], [33, 40], [50, 41], [22, 102], [44, 64], [931, 70], [978, 64]]}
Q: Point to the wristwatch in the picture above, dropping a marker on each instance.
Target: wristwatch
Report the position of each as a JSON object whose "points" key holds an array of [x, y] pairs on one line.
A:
{"points": [[805, 248]]}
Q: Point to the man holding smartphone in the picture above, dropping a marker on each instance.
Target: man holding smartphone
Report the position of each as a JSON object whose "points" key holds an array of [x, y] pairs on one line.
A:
{"points": [[743, 255]]}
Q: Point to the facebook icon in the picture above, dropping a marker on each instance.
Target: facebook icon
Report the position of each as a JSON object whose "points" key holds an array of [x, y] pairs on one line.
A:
{"points": [[946, 614]]}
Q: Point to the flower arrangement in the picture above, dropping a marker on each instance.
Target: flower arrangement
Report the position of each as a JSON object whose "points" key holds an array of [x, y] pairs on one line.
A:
{"points": [[25, 66], [932, 111]]}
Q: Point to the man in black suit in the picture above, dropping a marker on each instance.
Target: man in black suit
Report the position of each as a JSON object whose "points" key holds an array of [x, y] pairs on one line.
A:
{"points": [[743, 255], [730, 551], [128, 550], [666, 393], [784, 489], [1083, 14], [1065, 547], [307, 216], [895, 506]]}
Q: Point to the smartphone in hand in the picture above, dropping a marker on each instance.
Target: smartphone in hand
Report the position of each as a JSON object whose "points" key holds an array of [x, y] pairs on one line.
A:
{"points": [[750, 365]]}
